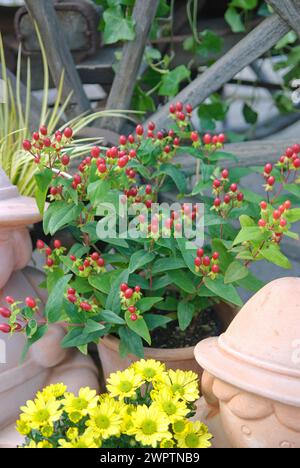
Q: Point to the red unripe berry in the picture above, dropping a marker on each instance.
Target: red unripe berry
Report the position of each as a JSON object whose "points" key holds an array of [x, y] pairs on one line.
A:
{"points": [[268, 168], [86, 306], [137, 289], [198, 262], [206, 261], [233, 188], [264, 205], [172, 108], [207, 139], [5, 312], [240, 197], [215, 269], [227, 199], [225, 174], [271, 181], [72, 298], [276, 215], [5, 328], [30, 302], [40, 245], [200, 253], [68, 132], [189, 108], [216, 255], [95, 152], [262, 223], [194, 137], [57, 244], [43, 130], [222, 138], [133, 317], [140, 130], [10, 300], [129, 293], [65, 160], [27, 145], [123, 140], [217, 202]]}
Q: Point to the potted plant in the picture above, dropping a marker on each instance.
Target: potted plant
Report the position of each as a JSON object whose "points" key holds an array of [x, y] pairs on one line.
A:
{"points": [[146, 407], [147, 289]]}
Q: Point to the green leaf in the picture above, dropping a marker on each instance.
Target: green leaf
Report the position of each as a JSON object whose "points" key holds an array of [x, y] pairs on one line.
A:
{"points": [[117, 27], [54, 307], [293, 216], [293, 188], [182, 280], [43, 181], [104, 281], [250, 234], [274, 255], [61, 215], [140, 259], [172, 80], [92, 327], [246, 221], [113, 302], [154, 321], [41, 331], [167, 264], [98, 190], [176, 175], [234, 20], [244, 4], [77, 337], [186, 312], [250, 115], [130, 343], [139, 327], [235, 272], [147, 303], [110, 317], [226, 292]]}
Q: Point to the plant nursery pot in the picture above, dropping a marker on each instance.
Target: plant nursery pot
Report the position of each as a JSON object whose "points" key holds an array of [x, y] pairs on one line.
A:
{"points": [[179, 358]]}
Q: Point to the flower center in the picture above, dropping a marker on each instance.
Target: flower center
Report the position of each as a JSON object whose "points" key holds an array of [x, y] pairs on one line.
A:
{"points": [[192, 440], [149, 427], [125, 386], [80, 404], [42, 415], [102, 422], [169, 408], [177, 389], [149, 373]]}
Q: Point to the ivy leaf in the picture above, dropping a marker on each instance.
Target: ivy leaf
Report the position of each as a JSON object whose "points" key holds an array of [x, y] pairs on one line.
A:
{"points": [[234, 20], [117, 27], [235, 272], [186, 312], [172, 80], [244, 4], [139, 327]]}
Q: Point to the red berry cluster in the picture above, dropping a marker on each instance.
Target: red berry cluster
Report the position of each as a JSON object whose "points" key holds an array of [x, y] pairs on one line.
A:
{"points": [[93, 263], [181, 114], [211, 142], [41, 143], [274, 220], [16, 321], [208, 266], [288, 163], [227, 194], [143, 194], [129, 298], [82, 304], [52, 255]]}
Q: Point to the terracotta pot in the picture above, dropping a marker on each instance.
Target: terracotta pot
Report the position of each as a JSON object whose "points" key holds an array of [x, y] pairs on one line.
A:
{"points": [[180, 358]]}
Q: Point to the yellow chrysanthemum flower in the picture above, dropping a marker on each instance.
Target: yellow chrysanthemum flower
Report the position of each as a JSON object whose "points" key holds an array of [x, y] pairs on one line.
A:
{"points": [[179, 426], [149, 370], [170, 404], [196, 435], [47, 431], [22, 427], [124, 384], [105, 421], [180, 383], [78, 407], [72, 433], [167, 443], [150, 426], [40, 413], [40, 445], [85, 441], [53, 391]]}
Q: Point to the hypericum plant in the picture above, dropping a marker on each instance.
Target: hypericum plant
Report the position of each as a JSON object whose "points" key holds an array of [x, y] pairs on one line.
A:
{"points": [[146, 406], [130, 286]]}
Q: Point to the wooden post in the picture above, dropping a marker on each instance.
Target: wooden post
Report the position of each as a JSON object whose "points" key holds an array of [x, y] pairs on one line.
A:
{"points": [[58, 55], [289, 11], [133, 51], [253, 46]]}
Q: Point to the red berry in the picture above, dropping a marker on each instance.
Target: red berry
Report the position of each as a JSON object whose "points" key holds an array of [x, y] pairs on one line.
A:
{"points": [[200, 253], [216, 255], [160, 135], [5, 328], [264, 205], [262, 223], [227, 199], [72, 291], [148, 204], [151, 126], [95, 256], [189, 108], [48, 251], [215, 269], [207, 139], [43, 130], [5, 312], [53, 191], [172, 108], [176, 141], [30, 302], [206, 261], [225, 174], [101, 262], [133, 317], [124, 287], [86, 263], [131, 139], [180, 116], [77, 179], [276, 215], [10, 300], [95, 152], [123, 140], [179, 106], [268, 168], [296, 148], [297, 163], [215, 140], [148, 189], [217, 184], [49, 262], [58, 136], [65, 160], [68, 132], [194, 137], [36, 136], [27, 145], [57, 244], [140, 130], [198, 262], [73, 258], [233, 188], [18, 327], [137, 289], [217, 202], [167, 149], [289, 152], [86, 306], [40, 245], [271, 181], [72, 298], [47, 142], [283, 222], [129, 293], [132, 309], [102, 168], [287, 204], [221, 138], [123, 162], [240, 197]]}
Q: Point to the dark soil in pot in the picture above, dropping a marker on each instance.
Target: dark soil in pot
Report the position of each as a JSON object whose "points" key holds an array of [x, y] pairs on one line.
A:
{"points": [[205, 325]]}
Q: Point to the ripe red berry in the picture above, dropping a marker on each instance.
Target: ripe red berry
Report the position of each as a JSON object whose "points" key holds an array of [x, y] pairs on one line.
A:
{"points": [[10, 300], [68, 132], [283, 222], [207, 139], [296, 148], [179, 106], [86, 263], [200, 253], [73, 258], [133, 317], [72, 298], [180, 116], [43, 130], [287, 204], [123, 162], [5, 312], [194, 137], [48, 251], [215, 139], [132, 309], [225, 174], [221, 138], [140, 130], [129, 293], [95, 256], [102, 168], [151, 126], [148, 189], [86, 306], [148, 204], [47, 142], [227, 199], [233, 188], [216, 255], [95, 152], [101, 262], [289, 152], [264, 205], [296, 163], [215, 269], [198, 262], [53, 191], [36, 136], [40, 245], [240, 197], [262, 223], [217, 202], [276, 215], [206, 261], [57, 244], [137, 289], [123, 140], [167, 149], [189, 108], [217, 183], [30, 302], [176, 141], [172, 108], [71, 291], [77, 179], [65, 160], [268, 168], [271, 181], [124, 287], [49, 262], [5, 328], [18, 327], [27, 145]]}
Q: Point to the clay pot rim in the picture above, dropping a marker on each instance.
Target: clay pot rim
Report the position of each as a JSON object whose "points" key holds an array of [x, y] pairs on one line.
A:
{"points": [[21, 211], [19, 375], [170, 354], [277, 386]]}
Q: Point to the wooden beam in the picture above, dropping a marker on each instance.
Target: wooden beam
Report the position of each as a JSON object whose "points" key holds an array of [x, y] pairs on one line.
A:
{"points": [[59, 56], [289, 11], [251, 47], [133, 51]]}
